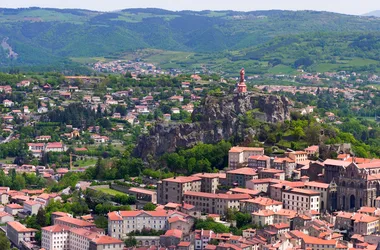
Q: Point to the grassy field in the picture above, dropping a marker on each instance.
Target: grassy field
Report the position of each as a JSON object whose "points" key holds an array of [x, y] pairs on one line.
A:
{"points": [[85, 163], [8, 160], [110, 191]]}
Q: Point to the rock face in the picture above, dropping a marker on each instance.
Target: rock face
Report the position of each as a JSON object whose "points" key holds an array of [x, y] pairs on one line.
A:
{"points": [[217, 118]]}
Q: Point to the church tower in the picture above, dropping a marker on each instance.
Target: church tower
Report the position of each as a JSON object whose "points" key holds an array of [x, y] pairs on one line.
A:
{"points": [[241, 87]]}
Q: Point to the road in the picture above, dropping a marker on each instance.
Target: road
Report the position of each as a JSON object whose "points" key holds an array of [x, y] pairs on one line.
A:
{"points": [[7, 139]]}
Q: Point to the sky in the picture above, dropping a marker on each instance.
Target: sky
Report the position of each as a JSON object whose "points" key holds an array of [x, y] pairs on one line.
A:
{"points": [[355, 7]]}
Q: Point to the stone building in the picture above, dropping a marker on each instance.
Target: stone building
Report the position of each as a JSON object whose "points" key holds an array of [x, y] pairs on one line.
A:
{"points": [[358, 186]]}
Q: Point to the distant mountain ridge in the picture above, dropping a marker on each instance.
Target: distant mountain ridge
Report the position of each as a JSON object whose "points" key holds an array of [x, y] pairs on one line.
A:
{"points": [[51, 36], [375, 13]]}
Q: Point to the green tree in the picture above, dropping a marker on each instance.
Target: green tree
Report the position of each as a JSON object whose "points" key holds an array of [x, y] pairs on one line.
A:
{"points": [[130, 241], [149, 207], [41, 217], [5, 244]]}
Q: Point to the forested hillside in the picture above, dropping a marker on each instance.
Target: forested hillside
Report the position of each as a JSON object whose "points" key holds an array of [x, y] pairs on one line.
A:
{"points": [[50, 36]]}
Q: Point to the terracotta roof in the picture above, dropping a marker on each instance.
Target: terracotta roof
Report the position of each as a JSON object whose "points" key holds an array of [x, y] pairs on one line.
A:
{"points": [[259, 157], [211, 175], [243, 171], [142, 191], [264, 201], [369, 165], [2, 214], [265, 213], [105, 240], [56, 228], [316, 184], [336, 162], [17, 226], [301, 191], [184, 244], [286, 212], [242, 149], [183, 179], [245, 191], [271, 170], [90, 235], [174, 233], [218, 196], [14, 206], [74, 221]]}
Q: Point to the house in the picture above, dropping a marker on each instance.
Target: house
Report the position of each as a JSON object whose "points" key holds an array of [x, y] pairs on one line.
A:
{"points": [[42, 110], [8, 118], [26, 110], [202, 238], [31, 207], [100, 139], [185, 85], [312, 150], [17, 232], [8, 103], [167, 117], [176, 98], [13, 208], [55, 147], [6, 89], [5, 217], [22, 84]]}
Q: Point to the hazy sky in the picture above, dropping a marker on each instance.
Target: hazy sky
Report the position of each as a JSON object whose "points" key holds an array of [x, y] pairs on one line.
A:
{"points": [[341, 6]]}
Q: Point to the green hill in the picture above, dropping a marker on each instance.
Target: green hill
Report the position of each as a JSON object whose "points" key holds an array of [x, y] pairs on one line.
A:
{"points": [[50, 36]]}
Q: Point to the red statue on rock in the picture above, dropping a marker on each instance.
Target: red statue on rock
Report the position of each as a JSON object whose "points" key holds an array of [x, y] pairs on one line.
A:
{"points": [[241, 87]]}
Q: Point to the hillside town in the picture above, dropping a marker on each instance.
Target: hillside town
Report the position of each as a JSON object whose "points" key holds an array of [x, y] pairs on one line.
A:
{"points": [[70, 177]]}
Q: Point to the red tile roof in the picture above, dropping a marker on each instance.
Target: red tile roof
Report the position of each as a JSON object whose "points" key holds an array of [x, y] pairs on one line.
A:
{"points": [[56, 228], [17, 226], [105, 240], [183, 179]]}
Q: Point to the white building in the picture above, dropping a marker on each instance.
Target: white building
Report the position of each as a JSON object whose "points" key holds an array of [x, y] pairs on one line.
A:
{"points": [[239, 155], [120, 223], [300, 199], [55, 237]]}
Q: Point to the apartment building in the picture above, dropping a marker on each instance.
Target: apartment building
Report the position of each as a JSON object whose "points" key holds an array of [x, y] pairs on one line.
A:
{"points": [[284, 216], [239, 177], [172, 189], [73, 222], [270, 173], [214, 203], [60, 237], [13, 208], [261, 185], [286, 164], [31, 207], [211, 181], [366, 225], [323, 189], [55, 237], [260, 203], [17, 232], [240, 155], [121, 223], [202, 238], [300, 199], [263, 217], [298, 156], [259, 161]]}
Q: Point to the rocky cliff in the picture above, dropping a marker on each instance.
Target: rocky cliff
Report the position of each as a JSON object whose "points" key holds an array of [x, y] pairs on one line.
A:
{"points": [[216, 119]]}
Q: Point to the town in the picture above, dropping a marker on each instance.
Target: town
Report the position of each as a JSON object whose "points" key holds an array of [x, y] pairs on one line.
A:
{"points": [[70, 178]]}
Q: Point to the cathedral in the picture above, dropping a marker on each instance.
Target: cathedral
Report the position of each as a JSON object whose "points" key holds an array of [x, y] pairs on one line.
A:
{"points": [[358, 185]]}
